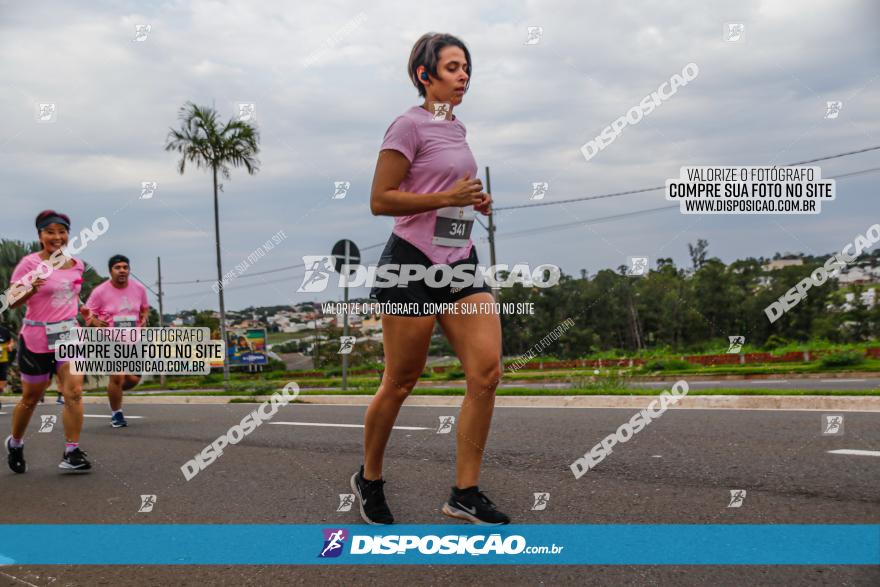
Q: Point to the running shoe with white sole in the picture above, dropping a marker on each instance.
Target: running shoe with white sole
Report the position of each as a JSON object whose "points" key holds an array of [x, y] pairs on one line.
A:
{"points": [[117, 420], [15, 457], [75, 460], [371, 499], [472, 505]]}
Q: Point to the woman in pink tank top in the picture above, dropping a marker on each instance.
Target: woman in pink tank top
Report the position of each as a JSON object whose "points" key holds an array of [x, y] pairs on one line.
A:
{"points": [[425, 179], [48, 283]]}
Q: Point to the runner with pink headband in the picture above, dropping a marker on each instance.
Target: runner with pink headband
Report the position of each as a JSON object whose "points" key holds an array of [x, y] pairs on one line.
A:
{"points": [[51, 295]]}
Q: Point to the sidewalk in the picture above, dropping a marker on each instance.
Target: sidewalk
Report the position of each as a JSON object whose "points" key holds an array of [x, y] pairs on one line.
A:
{"points": [[733, 402]]}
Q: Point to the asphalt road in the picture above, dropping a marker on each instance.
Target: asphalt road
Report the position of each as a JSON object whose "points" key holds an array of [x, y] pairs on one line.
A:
{"points": [[680, 469]]}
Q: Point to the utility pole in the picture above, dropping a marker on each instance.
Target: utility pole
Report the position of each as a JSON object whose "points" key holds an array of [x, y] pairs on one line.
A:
{"points": [[161, 309], [492, 250], [491, 231]]}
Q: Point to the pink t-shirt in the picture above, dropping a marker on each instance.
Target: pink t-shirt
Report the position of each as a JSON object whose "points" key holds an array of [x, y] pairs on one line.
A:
{"points": [[439, 156], [108, 302], [56, 300]]}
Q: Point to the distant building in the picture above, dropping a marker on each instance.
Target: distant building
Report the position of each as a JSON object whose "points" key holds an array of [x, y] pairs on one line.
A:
{"points": [[868, 297], [371, 324], [780, 263], [859, 275]]}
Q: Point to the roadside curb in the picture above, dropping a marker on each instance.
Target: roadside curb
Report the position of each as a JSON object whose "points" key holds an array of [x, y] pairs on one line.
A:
{"points": [[695, 402]]}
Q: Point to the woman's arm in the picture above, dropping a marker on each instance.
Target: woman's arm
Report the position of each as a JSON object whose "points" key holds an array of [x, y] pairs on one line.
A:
{"points": [[387, 200], [21, 300]]}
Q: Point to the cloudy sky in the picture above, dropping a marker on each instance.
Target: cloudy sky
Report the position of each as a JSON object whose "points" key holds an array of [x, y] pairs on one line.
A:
{"points": [[327, 79]]}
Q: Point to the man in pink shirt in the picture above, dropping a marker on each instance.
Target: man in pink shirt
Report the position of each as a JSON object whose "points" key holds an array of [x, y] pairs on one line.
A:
{"points": [[118, 302]]}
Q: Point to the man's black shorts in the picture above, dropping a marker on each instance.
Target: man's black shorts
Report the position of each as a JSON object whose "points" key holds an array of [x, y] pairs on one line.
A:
{"points": [[417, 294], [3, 368]]}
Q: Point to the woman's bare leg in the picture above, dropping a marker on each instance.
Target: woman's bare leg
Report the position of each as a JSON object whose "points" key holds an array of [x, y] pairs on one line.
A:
{"points": [[71, 388], [406, 340], [31, 392], [476, 339]]}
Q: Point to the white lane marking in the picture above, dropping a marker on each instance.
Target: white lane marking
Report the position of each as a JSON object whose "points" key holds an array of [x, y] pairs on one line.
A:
{"points": [[769, 381], [345, 425], [22, 581], [669, 383], [103, 416], [843, 380], [852, 451]]}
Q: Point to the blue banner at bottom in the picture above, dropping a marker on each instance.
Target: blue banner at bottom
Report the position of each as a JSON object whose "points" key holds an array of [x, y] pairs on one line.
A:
{"points": [[274, 544]]}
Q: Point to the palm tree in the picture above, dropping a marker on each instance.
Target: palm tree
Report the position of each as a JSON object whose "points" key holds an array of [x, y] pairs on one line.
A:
{"points": [[202, 141]]}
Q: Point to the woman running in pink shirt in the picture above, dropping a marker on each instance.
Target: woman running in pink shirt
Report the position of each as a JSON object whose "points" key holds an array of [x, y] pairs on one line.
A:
{"points": [[425, 179], [52, 298]]}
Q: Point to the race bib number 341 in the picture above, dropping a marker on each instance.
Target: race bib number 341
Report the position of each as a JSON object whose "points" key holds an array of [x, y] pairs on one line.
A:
{"points": [[453, 226]]}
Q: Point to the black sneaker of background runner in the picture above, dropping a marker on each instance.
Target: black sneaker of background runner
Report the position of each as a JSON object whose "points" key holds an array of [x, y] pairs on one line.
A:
{"points": [[472, 505], [371, 497], [16, 457], [75, 460]]}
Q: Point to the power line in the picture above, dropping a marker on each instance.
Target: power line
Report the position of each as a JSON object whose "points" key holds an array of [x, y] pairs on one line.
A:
{"points": [[267, 271], [660, 187], [582, 199], [585, 198], [584, 222], [580, 223], [865, 150]]}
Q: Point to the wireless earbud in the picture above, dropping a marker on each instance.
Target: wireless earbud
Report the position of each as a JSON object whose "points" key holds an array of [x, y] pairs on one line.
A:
{"points": [[425, 75]]}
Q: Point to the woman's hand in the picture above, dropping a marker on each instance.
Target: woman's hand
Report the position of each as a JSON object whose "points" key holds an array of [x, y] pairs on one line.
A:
{"points": [[37, 283], [466, 192], [485, 207]]}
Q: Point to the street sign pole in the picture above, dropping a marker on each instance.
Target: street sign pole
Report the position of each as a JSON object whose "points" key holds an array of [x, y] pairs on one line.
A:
{"points": [[345, 253]]}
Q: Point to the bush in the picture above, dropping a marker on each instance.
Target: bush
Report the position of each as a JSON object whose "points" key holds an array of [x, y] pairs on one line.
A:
{"points": [[844, 359], [454, 374], [275, 365], [774, 342], [667, 365]]}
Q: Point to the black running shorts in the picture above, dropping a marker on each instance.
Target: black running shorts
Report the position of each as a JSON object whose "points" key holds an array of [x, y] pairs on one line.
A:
{"points": [[36, 367], [413, 298]]}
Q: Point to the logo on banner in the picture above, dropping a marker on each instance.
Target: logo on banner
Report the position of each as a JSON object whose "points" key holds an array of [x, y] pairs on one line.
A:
{"points": [[334, 541]]}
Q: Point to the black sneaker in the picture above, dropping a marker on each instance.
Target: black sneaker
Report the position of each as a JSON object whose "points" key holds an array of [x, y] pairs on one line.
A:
{"points": [[472, 505], [75, 460], [374, 508], [16, 457]]}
